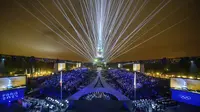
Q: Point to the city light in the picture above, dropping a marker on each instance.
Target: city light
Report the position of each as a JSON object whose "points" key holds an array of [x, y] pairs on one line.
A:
{"points": [[191, 77], [28, 75], [127, 69], [184, 76]]}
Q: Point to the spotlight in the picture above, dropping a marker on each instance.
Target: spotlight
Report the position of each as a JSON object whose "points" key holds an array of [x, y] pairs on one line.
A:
{"points": [[95, 60], [66, 101]]}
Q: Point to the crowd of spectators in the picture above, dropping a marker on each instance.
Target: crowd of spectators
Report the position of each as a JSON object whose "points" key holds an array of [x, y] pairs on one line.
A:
{"points": [[123, 81], [149, 105], [72, 81], [146, 105], [98, 95], [166, 102], [44, 105]]}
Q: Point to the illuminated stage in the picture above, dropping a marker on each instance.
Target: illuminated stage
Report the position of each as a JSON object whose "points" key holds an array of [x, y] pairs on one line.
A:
{"points": [[91, 88]]}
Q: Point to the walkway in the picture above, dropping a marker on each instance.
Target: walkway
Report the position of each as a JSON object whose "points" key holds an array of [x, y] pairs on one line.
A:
{"points": [[91, 88]]}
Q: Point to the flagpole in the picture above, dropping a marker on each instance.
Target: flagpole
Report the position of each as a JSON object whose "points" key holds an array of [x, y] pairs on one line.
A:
{"points": [[61, 85], [135, 85]]}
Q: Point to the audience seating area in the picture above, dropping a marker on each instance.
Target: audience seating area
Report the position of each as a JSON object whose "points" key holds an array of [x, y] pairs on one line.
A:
{"points": [[149, 105], [44, 105], [147, 87], [72, 81], [148, 90], [98, 96]]}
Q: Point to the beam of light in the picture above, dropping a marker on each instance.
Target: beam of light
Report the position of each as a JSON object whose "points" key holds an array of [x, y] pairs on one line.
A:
{"points": [[128, 23], [37, 30], [52, 23], [98, 18], [91, 34], [85, 45], [106, 21], [49, 28], [113, 21], [137, 29], [101, 12], [91, 19], [87, 20], [86, 57], [100, 26], [58, 29], [77, 18], [150, 38], [138, 37], [78, 43], [118, 22], [127, 39], [115, 18]]}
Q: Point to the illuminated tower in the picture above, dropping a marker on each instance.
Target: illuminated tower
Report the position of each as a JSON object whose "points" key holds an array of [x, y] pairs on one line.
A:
{"points": [[99, 54], [100, 19], [98, 61]]}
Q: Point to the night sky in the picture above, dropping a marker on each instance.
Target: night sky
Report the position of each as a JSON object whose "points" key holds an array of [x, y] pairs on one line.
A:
{"points": [[22, 34]]}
